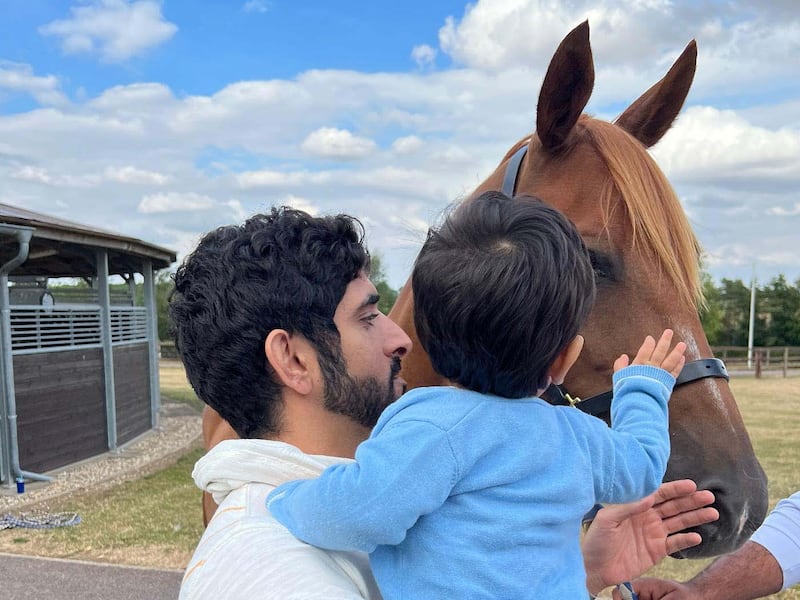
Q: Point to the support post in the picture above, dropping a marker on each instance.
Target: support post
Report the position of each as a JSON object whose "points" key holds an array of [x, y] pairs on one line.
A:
{"points": [[785, 362], [752, 320], [152, 343], [5, 434], [108, 350]]}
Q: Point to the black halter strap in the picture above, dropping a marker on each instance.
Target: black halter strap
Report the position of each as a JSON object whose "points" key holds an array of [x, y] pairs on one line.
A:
{"points": [[700, 369], [601, 403]]}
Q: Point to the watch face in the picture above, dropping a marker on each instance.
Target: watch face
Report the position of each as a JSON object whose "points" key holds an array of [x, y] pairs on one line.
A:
{"points": [[47, 299]]}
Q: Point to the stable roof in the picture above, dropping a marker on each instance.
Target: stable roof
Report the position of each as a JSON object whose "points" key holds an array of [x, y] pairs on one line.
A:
{"points": [[61, 248]]}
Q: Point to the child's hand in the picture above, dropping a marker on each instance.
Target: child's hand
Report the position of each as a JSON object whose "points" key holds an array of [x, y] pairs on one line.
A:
{"points": [[657, 354]]}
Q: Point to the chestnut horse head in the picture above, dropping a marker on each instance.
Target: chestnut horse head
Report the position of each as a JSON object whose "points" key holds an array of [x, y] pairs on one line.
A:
{"points": [[646, 259]]}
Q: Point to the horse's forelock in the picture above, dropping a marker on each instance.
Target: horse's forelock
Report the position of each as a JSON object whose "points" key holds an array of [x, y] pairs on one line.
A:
{"points": [[659, 224], [657, 218]]}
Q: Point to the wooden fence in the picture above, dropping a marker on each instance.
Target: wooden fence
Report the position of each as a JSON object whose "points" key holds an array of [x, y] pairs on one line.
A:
{"points": [[782, 359], [167, 350]]}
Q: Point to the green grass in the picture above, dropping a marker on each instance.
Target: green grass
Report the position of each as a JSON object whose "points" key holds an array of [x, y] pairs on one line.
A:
{"points": [[182, 396], [154, 521], [175, 387]]}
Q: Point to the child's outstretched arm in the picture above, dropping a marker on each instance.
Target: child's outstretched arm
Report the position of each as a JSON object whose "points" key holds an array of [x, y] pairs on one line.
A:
{"points": [[639, 441], [405, 471]]}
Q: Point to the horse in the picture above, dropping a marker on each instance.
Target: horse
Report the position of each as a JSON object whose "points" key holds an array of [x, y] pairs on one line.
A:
{"points": [[646, 259]]}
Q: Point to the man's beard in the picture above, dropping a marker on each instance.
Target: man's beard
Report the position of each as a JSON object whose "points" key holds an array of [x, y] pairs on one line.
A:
{"points": [[363, 399]]}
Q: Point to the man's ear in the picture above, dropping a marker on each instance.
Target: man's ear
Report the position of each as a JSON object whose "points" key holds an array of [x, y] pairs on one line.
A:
{"points": [[292, 357], [565, 359]]}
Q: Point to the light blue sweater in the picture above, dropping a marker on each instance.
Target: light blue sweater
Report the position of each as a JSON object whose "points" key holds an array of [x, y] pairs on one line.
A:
{"points": [[462, 495]]}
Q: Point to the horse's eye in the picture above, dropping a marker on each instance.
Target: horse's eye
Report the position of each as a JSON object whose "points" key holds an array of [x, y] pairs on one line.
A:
{"points": [[605, 268]]}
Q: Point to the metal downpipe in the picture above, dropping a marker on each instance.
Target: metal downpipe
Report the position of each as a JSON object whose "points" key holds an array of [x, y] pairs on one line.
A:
{"points": [[23, 235]]}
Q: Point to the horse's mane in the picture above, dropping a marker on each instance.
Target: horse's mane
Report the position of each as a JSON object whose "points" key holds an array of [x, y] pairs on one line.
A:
{"points": [[657, 218]]}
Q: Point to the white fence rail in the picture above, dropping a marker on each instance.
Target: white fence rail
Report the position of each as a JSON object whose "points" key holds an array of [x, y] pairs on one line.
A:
{"points": [[52, 328], [128, 324]]}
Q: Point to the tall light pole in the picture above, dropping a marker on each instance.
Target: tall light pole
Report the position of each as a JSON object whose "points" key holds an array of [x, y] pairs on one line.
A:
{"points": [[752, 319]]}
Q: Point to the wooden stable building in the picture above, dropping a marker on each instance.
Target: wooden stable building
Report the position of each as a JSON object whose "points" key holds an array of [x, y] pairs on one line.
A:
{"points": [[79, 366]]}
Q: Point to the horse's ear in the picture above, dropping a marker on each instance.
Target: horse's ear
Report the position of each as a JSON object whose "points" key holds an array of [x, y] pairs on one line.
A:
{"points": [[649, 118], [566, 89]]}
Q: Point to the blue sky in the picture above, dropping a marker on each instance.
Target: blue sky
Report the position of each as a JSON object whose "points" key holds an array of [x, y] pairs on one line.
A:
{"points": [[232, 41], [162, 120]]}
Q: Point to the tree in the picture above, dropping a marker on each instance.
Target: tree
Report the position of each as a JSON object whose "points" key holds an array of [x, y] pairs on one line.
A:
{"points": [[712, 313], [378, 279], [726, 316], [163, 287], [780, 309], [735, 300]]}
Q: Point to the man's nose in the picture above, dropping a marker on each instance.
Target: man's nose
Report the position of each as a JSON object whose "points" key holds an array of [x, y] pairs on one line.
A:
{"points": [[397, 341]]}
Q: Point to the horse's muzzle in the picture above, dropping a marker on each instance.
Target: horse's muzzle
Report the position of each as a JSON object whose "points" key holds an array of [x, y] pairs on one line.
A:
{"points": [[741, 500]]}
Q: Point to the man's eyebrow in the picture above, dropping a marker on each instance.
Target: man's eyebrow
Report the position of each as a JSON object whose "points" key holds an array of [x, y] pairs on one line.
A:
{"points": [[371, 300]]}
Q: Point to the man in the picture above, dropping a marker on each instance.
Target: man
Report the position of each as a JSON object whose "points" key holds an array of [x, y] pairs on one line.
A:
{"points": [[277, 325], [278, 328], [767, 564]]}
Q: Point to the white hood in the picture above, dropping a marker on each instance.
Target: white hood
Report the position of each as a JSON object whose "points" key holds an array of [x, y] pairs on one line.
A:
{"points": [[233, 463]]}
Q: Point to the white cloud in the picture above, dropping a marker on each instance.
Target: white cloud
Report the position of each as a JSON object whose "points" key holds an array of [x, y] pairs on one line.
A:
{"points": [[238, 209], [711, 144], [257, 6], [388, 180], [497, 34], [407, 145], [134, 98], [634, 39], [115, 29], [785, 212], [130, 174], [126, 174], [30, 173], [748, 254], [299, 203], [174, 202], [20, 78], [424, 55], [42, 176], [267, 178], [329, 142]]}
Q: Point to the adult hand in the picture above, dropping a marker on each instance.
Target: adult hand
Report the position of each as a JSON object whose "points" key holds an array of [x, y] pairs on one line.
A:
{"points": [[625, 540]]}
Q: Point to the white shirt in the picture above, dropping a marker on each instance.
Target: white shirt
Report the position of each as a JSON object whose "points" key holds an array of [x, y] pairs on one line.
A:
{"points": [[780, 535], [246, 554]]}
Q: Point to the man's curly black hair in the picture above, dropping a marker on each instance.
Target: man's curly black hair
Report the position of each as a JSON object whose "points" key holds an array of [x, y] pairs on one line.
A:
{"points": [[282, 270]]}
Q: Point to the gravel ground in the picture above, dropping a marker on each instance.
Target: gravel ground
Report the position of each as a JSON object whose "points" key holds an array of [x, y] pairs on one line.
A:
{"points": [[178, 433]]}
